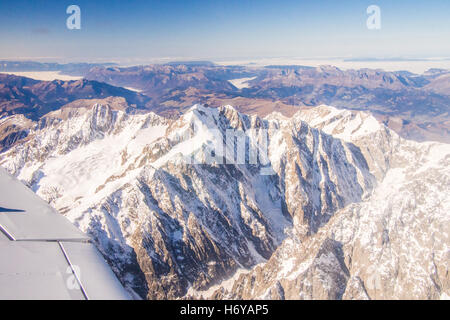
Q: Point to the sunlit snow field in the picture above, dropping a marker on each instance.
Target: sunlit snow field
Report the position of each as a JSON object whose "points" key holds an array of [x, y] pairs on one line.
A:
{"points": [[44, 75]]}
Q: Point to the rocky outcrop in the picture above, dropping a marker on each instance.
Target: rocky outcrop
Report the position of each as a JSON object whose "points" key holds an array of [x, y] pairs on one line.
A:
{"points": [[392, 245]]}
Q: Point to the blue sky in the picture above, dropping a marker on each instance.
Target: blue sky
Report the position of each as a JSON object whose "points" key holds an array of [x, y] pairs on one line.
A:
{"points": [[214, 29]]}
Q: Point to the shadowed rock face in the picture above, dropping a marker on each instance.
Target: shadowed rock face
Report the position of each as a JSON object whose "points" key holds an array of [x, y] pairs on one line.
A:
{"points": [[356, 254], [10, 210], [403, 218]]}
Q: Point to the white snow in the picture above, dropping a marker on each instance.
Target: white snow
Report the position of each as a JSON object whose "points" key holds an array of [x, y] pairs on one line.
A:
{"points": [[133, 89], [45, 75], [241, 83]]}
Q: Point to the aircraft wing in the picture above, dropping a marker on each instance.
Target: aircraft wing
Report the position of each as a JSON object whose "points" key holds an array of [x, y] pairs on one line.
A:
{"points": [[44, 256]]}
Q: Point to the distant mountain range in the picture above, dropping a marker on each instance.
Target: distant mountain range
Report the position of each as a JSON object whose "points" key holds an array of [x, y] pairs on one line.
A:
{"points": [[415, 106], [74, 69], [164, 82], [24, 101], [34, 98]]}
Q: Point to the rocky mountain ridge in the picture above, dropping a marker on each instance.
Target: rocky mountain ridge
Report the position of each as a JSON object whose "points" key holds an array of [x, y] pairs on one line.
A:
{"points": [[172, 228]]}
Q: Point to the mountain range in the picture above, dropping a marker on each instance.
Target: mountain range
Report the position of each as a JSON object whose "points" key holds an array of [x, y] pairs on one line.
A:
{"points": [[74, 69], [34, 98], [416, 106], [27, 100], [348, 210], [309, 201]]}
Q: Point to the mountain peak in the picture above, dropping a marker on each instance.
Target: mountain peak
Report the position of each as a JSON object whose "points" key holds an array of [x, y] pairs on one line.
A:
{"points": [[344, 124]]}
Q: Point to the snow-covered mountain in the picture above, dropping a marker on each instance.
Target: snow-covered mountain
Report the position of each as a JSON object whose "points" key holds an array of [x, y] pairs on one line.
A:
{"points": [[392, 245], [340, 208]]}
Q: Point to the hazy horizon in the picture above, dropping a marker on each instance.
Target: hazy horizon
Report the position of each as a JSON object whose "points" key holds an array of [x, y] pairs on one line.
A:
{"points": [[143, 31], [414, 65]]}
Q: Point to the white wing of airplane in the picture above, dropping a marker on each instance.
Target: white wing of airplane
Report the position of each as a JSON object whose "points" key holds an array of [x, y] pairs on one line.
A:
{"points": [[43, 256]]}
